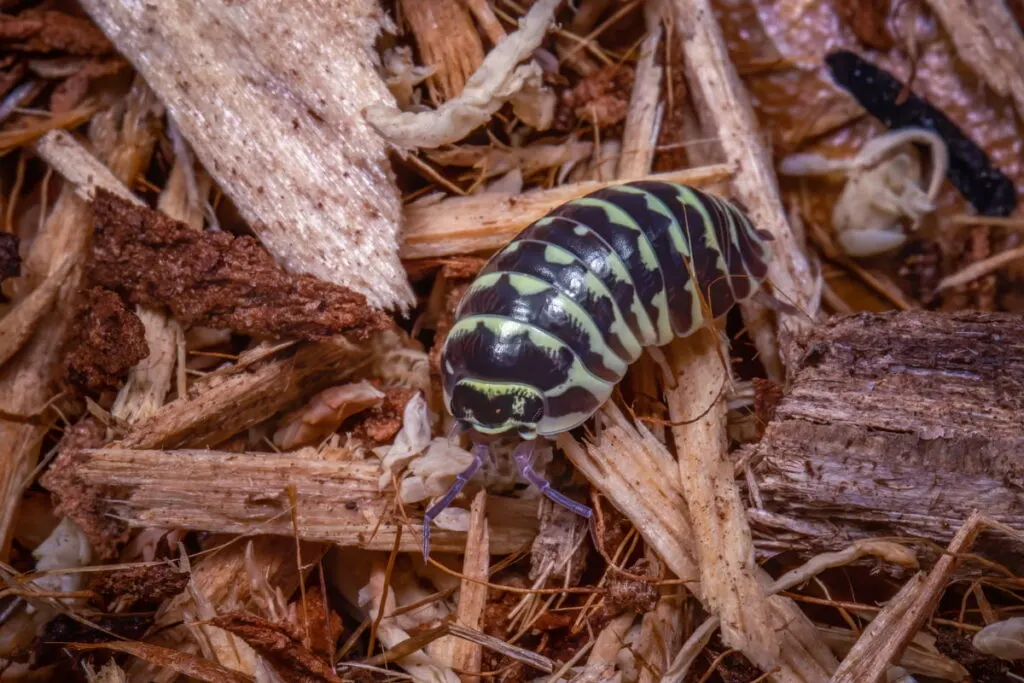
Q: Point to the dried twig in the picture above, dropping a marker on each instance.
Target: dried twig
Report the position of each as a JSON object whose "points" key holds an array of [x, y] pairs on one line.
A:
{"points": [[465, 225]]}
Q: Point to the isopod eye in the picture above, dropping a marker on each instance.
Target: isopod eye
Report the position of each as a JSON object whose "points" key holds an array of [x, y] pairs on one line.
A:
{"points": [[495, 407]]}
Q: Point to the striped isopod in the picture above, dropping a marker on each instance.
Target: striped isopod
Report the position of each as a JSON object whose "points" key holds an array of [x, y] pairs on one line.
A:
{"points": [[554, 319]]}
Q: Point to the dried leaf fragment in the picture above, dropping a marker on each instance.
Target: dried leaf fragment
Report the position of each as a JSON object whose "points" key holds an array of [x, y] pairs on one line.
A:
{"points": [[217, 280], [285, 652], [106, 341]]}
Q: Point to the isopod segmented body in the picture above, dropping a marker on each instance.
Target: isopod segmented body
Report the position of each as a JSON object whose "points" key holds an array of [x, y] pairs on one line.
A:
{"points": [[554, 319]]}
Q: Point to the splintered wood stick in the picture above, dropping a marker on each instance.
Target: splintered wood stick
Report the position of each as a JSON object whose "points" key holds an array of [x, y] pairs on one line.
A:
{"points": [[447, 40], [78, 166], [725, 109], [725, 548], [641, 478], [483, 222], [461, 654], [227, 403], [124, 139], [640, 134], [884, 640], [281, 128], [245, 493], [18, 326]]}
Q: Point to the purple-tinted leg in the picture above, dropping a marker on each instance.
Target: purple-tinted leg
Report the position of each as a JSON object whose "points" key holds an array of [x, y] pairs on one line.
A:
{"points": [[479, 455], [524, 457]]}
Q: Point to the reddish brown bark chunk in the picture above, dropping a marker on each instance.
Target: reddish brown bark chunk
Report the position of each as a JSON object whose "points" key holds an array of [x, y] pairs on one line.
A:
{"points": [[280, 646], [216, 279], [602, 98], [79, 501], [147, 584], [106, 341]]}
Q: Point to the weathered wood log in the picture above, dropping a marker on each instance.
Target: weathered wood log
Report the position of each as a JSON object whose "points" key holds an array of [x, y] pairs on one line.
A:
{"points": [[897, 424]]}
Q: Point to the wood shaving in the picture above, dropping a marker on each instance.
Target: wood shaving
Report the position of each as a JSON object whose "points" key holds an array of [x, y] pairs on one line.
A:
{"points": [[496, 81]]}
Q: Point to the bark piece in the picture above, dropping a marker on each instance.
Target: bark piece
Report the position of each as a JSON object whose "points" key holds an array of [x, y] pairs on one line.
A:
{"points": [[106, 341], [79, 501], [280, 646], [279, 128], [215, 279], [146, 584], [900, 424]]}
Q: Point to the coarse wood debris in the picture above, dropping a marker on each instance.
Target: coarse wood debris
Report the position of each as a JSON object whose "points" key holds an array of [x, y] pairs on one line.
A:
{"points": [[332, 209], [234, 237]]}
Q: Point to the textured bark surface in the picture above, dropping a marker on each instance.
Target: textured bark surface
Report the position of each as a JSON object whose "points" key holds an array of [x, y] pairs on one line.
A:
{"points": [[899, 424], [281, 129]]}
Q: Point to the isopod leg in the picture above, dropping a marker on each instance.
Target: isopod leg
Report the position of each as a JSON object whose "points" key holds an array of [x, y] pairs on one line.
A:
{"points": [[524, 461], [479, 455]]}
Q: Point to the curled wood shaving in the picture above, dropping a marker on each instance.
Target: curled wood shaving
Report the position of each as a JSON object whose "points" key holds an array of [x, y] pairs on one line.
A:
{"points": [[497, 80], [402, 75]]}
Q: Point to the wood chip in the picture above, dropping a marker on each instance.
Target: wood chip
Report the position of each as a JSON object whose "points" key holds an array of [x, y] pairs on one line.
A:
{"points": [[332, 210]]}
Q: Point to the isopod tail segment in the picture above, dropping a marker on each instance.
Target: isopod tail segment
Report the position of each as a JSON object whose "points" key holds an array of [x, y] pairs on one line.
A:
{"points": [[523, 457]]}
